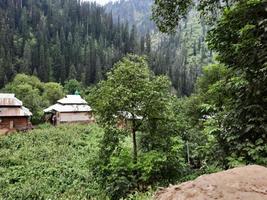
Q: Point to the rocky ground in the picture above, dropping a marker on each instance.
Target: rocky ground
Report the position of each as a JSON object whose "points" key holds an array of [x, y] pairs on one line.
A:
{"points": [[243, 183]]}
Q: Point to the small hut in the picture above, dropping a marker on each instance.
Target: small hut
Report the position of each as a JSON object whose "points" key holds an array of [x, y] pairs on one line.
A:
{"points": [[70, 109], [13, 115], [125, 119]]}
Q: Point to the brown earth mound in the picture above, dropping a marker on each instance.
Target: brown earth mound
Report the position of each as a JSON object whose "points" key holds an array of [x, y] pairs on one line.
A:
{"points": [[243, 183]]}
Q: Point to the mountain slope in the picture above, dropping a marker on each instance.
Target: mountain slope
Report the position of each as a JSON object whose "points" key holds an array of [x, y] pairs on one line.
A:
{"points": [[60, 40], [135, 12], [181, 55]]}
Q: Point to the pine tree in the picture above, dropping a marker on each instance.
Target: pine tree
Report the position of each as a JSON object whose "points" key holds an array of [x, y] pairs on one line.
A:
{"points": [[42, 68], [27, 59], [72, 72], [148, 43], [142, 45], [98, 70], [133, 44], [2, 68], [62, 69]]}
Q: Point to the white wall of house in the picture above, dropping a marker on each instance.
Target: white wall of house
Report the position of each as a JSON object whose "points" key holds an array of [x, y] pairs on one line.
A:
{"points": [[74, 117]]}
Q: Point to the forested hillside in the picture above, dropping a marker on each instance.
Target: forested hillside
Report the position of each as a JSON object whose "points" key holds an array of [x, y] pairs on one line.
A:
{"points": [[63, 40], [60, 40], [134, 12], [180, 55]]}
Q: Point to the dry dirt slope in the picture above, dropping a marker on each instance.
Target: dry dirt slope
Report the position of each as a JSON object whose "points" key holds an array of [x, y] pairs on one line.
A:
{"points": [[243, 183]]}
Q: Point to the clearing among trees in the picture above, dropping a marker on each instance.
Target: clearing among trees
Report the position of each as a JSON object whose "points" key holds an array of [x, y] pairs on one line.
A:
{"points": [[244, 183]]}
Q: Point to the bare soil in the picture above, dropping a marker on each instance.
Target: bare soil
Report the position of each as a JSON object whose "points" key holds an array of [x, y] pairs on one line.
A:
{"points": [[242, 183]]}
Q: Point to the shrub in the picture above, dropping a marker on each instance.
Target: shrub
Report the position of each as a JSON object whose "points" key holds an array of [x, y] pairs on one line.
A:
{"points": [[50, 163]]}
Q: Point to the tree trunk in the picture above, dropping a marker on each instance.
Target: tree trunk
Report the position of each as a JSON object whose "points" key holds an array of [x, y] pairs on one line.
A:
{"points": [[134, 143], [134, 146]]}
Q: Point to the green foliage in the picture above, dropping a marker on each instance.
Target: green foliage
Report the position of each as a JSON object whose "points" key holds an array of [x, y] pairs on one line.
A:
{"points": [[156, 155], [181, 55], [241, 48], [131, 87], [211, 129], [85, 40], [50, 163], [59, 41], [34, 94], [120, 171], [53, 92], [201, 117], [227, 115], [120, 176], [168, 14], [29, 89], [60, 163], [195, 173], [72, 85], [141, 196], [222, 125], [117, 177], [22, 79], [134, 12], [212, 74]]}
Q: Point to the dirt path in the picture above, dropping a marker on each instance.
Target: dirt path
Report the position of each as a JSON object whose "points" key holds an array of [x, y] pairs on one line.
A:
{"points": [[243, 183]]}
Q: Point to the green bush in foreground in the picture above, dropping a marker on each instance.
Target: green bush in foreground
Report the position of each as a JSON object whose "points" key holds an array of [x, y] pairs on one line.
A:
{"points": [[50, 163], [53, 163]]}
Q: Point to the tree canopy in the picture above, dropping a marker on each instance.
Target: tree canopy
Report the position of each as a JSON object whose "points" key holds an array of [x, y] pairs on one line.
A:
{"points": [[237, 100], [241, 46], [168, 13], [131, 88], [133, 94], [34, 94]]}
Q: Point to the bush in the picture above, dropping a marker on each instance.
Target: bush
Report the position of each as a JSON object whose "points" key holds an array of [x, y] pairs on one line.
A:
{"points": [[119, 176], [50, 163]]}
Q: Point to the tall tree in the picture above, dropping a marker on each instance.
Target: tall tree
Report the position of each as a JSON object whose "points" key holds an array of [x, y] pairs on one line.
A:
{"points": [[242, 48], [148, 44], [132, 91], [27, 59]]}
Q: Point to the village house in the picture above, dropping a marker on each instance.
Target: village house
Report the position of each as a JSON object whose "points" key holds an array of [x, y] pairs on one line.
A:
{"points": [[71, 109], [13, 115], [125, 119]]}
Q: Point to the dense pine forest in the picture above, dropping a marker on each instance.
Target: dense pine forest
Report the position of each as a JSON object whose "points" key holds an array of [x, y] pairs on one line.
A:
{"points": [[182, 55], [62, 40]]}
